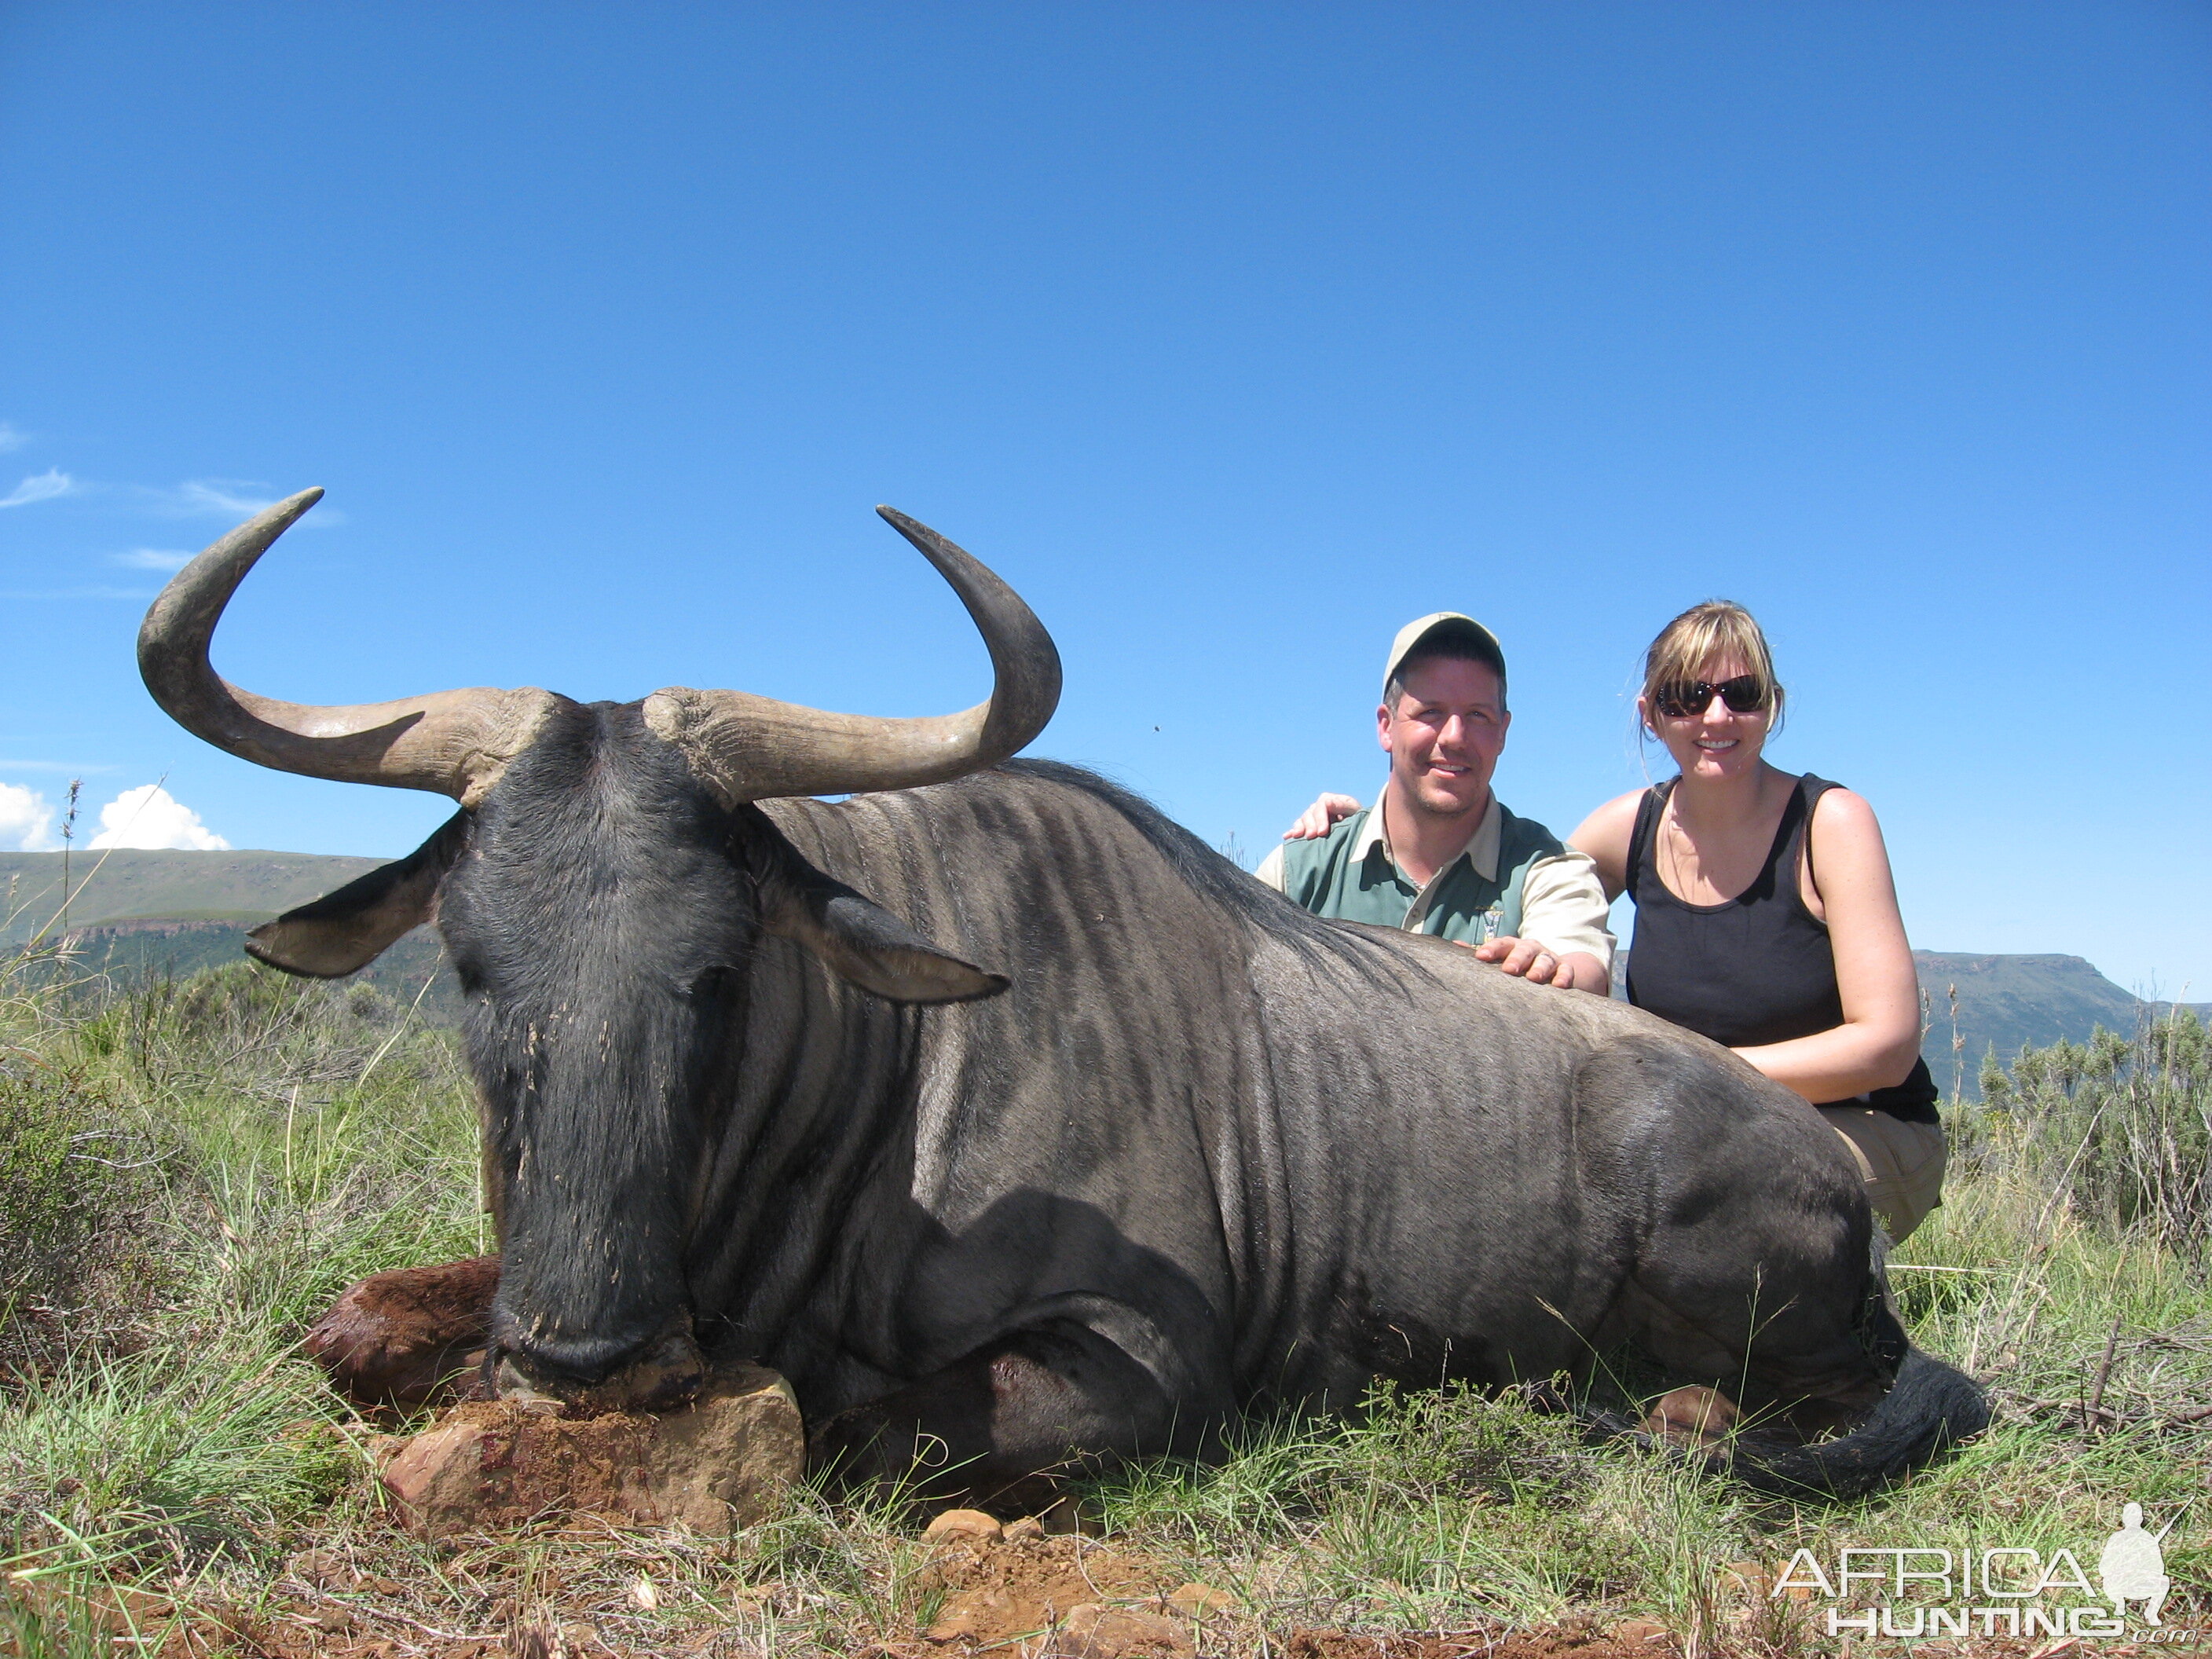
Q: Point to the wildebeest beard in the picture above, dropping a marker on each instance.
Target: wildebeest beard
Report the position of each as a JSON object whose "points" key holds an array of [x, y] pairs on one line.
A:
{"points": [[598, 922]]}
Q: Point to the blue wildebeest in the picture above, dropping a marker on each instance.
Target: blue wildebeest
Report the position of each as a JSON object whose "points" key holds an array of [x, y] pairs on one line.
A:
{"points": [[1007, 1120]]}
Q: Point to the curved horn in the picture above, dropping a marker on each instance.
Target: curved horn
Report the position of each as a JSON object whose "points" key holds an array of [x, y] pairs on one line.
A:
{"points": [[749, 748], [453, 742]]}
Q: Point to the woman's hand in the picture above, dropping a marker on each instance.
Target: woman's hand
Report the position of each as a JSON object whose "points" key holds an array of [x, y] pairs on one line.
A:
{"points": [[1322, 816]]}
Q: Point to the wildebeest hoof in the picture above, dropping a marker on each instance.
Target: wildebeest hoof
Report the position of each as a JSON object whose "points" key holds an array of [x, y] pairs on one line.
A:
{"points": [[1693, 1417], [407, 1337]]}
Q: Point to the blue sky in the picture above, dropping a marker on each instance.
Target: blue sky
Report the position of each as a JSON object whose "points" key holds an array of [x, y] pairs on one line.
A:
{"points": [[1233, 335]]}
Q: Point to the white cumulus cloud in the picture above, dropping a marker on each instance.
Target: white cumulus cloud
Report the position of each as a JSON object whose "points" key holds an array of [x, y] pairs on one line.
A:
{"points": [[152, 558], [39, 487], [27, 822], [150, 817]]}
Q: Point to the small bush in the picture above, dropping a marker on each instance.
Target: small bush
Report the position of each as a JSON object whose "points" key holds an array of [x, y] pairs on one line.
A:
{"points": [[76, 1184], [2117, 1130]]}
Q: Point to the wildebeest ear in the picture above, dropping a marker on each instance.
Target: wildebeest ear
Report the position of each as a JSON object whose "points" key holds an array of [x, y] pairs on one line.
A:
{"points": [[857, 939], [351, 928]]}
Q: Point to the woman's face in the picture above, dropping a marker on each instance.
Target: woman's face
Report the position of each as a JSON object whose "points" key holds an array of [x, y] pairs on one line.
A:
{"points": [[1714, 742]]}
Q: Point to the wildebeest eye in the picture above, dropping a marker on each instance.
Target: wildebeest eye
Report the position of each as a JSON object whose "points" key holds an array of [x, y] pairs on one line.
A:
{"points": [[706, 986]]}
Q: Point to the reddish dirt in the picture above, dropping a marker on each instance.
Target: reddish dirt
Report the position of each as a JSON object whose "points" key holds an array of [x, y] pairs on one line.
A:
{"points": [[997, 1593], [1029, 1597], [1559, 1642]]}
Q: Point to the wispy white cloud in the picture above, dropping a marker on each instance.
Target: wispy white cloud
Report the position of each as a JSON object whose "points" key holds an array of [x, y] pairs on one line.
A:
{"points": [[152, 558], [226, 498], [221, 495], [149, 817], [27, 821], [39, 486], [12, 437]]}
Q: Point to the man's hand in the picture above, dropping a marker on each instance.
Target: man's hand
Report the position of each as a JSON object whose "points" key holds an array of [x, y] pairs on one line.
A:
{"points": [[1524, 959], [1316, 820]]}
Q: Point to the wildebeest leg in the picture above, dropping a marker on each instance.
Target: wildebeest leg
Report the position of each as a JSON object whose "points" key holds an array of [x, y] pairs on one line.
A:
{"points": [[995, 1426], [400, 1338], [1754, 1272]]}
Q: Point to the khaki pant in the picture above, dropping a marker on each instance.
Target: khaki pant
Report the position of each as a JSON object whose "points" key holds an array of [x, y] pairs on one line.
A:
{"points": [[1902, 1164]]}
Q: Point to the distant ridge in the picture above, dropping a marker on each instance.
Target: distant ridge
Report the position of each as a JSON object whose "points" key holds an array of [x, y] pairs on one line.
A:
{"points": [[2006, 1003], [245, 887], [132, 952], [175, 913]]}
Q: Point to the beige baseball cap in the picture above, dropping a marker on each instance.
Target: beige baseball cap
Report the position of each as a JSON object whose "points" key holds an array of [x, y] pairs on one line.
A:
{"points": [[1416, 633]]}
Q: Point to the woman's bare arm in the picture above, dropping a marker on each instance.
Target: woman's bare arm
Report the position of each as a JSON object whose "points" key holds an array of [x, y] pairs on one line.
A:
{"points": [[1880, 1038], [1604, 835]]}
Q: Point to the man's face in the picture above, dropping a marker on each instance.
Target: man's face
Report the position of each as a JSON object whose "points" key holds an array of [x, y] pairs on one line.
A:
{"points": [[1445, 735]]}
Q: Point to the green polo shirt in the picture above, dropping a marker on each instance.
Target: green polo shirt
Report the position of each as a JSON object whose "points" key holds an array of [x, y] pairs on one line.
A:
{"points": [[1350, 875]]}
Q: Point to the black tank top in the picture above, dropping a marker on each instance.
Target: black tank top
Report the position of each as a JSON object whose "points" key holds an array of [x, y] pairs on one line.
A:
{"points": [[1754, 969]]}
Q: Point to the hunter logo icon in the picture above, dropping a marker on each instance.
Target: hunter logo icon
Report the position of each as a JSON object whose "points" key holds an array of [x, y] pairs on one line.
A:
{"points": [[1987, 1589], [2133, 1566]]}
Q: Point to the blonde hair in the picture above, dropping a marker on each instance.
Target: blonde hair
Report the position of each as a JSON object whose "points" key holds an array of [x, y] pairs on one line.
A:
{"points": [[1717, 627]]}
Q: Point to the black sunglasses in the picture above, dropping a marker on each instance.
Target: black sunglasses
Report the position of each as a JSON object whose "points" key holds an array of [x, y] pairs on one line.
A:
{"points": [[1744, 694]]}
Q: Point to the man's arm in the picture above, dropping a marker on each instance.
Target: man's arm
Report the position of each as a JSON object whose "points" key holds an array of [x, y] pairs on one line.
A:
{"points": [[1270, 873], [1318, 819], [1563, 941]]}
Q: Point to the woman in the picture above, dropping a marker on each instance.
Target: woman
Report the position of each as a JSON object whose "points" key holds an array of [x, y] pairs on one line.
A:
{"points": [[1766, 915]]}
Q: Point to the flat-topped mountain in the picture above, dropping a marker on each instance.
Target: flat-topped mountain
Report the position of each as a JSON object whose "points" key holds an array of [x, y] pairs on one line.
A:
{"points": [[247, 888], [2005, 1003], [134, 914]]}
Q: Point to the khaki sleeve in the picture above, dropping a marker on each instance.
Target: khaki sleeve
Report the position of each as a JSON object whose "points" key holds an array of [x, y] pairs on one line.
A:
{"points": [[1563, 907], [1270, 873]]}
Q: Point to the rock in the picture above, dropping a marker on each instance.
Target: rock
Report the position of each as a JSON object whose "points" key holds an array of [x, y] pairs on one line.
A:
{"points": [[323, 1569], [1747, 1578], [954, 1628], [722, 1462], [964, 1523], [1066, 1516], [1195, 1601], [1639, 1631], [1092, 1631], [1029, 1526], [726, 1460]]}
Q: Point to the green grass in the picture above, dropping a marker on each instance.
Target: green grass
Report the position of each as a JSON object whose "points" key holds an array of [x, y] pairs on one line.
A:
{"points": [[189, 1173], [291, 1139]]}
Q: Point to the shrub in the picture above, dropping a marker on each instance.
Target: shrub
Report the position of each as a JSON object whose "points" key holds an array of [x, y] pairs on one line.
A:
{"points": [[75, 1183], [2119, 1129]]}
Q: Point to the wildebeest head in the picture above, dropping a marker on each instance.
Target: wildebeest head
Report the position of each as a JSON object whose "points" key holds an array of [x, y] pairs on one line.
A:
{"points": [[601, 892]]}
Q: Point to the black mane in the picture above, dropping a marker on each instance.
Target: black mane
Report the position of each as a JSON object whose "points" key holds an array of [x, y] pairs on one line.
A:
{"points": [[1211, 877]]}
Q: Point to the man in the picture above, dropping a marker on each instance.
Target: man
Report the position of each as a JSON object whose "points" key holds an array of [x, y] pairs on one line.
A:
{"points": [[1437, 854]]}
